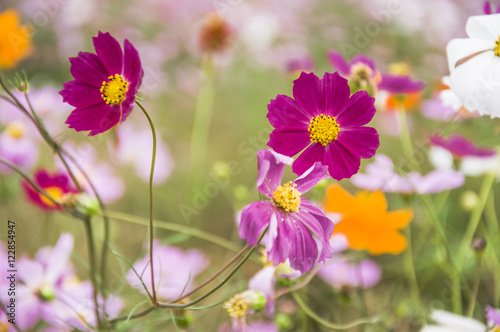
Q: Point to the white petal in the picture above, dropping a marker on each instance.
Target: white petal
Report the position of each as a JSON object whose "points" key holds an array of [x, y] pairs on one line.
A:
{"points": [[435, 328], [459, 323], [440, 157], [460, 48], [474, 166], [484, 27], [477, 84]]}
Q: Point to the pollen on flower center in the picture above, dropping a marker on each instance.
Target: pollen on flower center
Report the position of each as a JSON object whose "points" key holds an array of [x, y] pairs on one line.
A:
{"points": [[113, 92], [323, 129], [237, 306], [15, 130], [287, 198], [496, 50], [55, 192]]}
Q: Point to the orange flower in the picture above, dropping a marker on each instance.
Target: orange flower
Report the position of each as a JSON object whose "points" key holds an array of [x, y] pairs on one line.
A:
{"points": [[365, 220], [15, 43]]}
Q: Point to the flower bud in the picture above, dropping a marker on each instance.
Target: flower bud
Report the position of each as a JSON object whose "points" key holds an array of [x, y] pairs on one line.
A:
{"points": [[80, 205], [479, 244], [469, 200], [244, 303], [215, 34], [240, 193], [221, 170]]}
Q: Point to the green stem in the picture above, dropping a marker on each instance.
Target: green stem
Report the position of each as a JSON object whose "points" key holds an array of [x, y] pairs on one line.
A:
{"points": [[33, 184], [410, 270], [405, 137], [202, 119], [151, 228], [328, 324], [492, 236], [475, 286], [92, 267], [467, 239], [176, 228]]}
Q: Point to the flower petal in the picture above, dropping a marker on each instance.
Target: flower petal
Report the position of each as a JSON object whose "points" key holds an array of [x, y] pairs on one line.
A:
{"points": [[271, 165], [283, 112], [338, 62], [334, 93], [97, 119], [109, 53], [254, 219], [358, 111], [315, 152], [132, 69], [486, 27], [306, 92], [311, 177], [88, 68], [342, 163], [460, 48], [362, 141], [289, 142], [79, 95]]}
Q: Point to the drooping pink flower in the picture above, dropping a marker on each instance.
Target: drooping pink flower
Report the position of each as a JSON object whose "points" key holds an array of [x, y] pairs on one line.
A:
{"points": [[381, 175], [460, 146], [339, 272], [56, 185], [327, 122], [293, 221], [170, 283], [103, 91]]}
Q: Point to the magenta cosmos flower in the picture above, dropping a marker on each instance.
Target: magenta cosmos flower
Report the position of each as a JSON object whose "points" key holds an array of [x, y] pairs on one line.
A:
{"points": [[293, 221], [56, 185], [461, 147], [327, 121], [105, 85]]}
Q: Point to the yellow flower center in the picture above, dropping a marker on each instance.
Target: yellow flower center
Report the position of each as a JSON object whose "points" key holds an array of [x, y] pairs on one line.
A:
{"points": [[399, 68], [287, 198], [237, 306], [55, 192], [496, 50], [323, 129], [15, 130], [113, 92]]}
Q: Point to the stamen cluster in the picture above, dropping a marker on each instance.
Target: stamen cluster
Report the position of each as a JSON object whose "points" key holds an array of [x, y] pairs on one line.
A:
{"points": [[323, 129], [287, 198], [496, 50], [113, 92]]}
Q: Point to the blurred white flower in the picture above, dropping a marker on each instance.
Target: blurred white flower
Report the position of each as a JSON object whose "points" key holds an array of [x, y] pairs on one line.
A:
{"points": [[474, 65], [448, 322]]}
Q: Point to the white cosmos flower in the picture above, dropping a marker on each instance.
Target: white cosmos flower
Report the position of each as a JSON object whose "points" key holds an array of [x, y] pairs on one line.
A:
{"points": [[448, 322], [474, 65]]}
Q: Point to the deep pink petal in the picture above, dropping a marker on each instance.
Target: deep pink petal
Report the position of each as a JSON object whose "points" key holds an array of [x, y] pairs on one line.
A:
{"points": [[358, 111], [362, 141], [270, 166], [303, 248], [398, 84], [79, 95], [460, 146], [289, 142], [306, 92], [97, 119], [254, 219], [487, 8], [283, 112], [109, 53], [334, 93], [311, 177], [88, 68], [338, 62], [341, 162], [315, 152], [132, 69]]}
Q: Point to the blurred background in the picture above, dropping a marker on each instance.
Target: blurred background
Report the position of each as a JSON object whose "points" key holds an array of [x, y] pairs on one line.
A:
{"points": [[254, 53]]}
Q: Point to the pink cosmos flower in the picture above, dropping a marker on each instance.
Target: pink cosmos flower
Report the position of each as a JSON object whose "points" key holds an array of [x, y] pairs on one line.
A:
{"points": [[381, 175], [56, 185], [347, 68], [171, 282], [299, 64], [339, 272], [105, 85], [488, 10], [493, 316], [399, 84], [327, 122], [294, 223], [460, 146]]}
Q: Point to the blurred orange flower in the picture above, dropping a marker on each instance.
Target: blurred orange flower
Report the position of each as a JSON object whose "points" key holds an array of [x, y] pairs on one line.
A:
{"points": [[365, 220], [15, 43]]}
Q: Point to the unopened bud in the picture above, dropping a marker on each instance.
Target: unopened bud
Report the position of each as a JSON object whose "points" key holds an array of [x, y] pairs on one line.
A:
{"points": [[215, 34], [221, 170], [469, 200], [81, 205], [283, 321], [479, 244], [241, 193], [244, 303]]}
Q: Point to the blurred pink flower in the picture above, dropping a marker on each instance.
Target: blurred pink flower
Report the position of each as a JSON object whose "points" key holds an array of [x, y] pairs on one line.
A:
{"points": [[339, 272], [381, 175], [171, 282], [461, 147], [134, 147]]}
